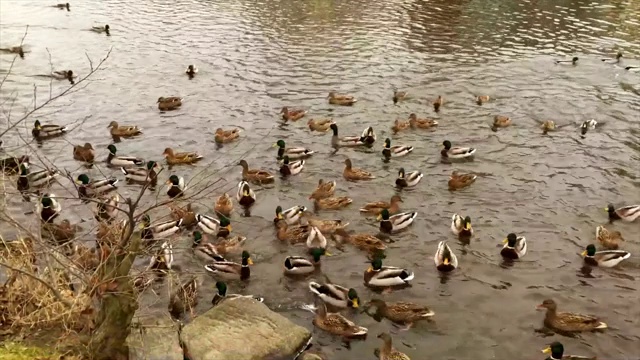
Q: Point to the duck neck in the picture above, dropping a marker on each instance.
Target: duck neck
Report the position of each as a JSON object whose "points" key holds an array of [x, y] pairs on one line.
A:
{"points": [[551, 314], [110, 156], [387, 346]]}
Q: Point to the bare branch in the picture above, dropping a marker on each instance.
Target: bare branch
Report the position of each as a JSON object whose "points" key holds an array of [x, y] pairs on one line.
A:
{"points": [[55, 292]]}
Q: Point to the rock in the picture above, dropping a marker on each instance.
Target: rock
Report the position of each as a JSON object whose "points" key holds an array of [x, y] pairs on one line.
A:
{"points": [[158, 341], [243, 328]]}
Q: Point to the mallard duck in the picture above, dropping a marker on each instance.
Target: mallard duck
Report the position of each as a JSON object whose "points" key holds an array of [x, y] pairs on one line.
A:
{"points": [[408, 179], [363, 241], [632, 67], [222, 246], [368, 136], [158, 231], [417, 123], [28, 179], [63, 75], [185, 298], [399, 96], [459, 181], [386, 276], [351, 173], [142, 281], [169, 103], [336, 323], [88, 188], [376, 208], [608, 239], [181, 157], [191, 70], [455, 152], [109, 233], [396, 150], [346, 141], [500, 121], [84, 258], [444, 258], [399, 125], [62, 232], [292, 234], [627, 213], [482, 99], [107, 209], [48, 208], [20, 51], [224, 205], [332, 203], [185, 213], [548, 125], [437, 103], [221, 295], [292, 215], [515, 247], [213, 226], [84, 153], [292, 114], [617, 59], [339, 99], [293, 153], [388, 352], [123, 130], [328, 226], [604, 258], [316, 240], [299, 265], [573, 61], [568, 322], [228, 268], [461, 226], [587, 125], [556, 352], [205, 250], [397, 222], [291, 167], [254, 175], [401, 312], [162, 260], [144, 175], [175, 186], [11, 165], [226, 136], [122, 161], [41, 132], [323, 190], [335, 295], [245, 195], [101, 29], [321, 125]]}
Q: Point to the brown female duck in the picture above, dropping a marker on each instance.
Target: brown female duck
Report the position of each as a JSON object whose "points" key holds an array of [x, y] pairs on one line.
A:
{"points": [[400, 125], [362, 241], [324, 190], [336, 324], [292, 114], [84, 153], [568, 322], [62, 232], [482, 99], [405, 313], [399, 96], [226, 136], [608, 239], [224, 205], [169, 103], [321, 125], [548, 125], [340, 99], [185, 213], [124, 130], [351, 173], [375, 208], [332, 203], [292, 234], [459, 181], [254, 175], [437, 103], [174, 158], [417, 123], [500, 121], [387, 351]]}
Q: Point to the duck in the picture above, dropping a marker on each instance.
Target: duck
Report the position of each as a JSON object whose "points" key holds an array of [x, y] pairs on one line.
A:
{"points": [[143, 175], [48, 208], [254, 175], [444, 258], [387, 351], [174, 158], [292, 234], [604, 258], [437, 103], [18, 50], [169, 103], [347, 141], [294, 153], [332, 203], [461, 226], [226, 136], [392, 223], [185, 213], [191, 70], [396, 150], [500, 121], [224, 205], [608, 239], [162, 260], [320, 125], [291, 167], [335, 295], [88, 188], [108, 233], [107, 209], [292, 114], [548, 125], [315, 240], [210, 251], [63, 75], [337, 324], [617, 59], [184, 299], [399, 125], [568, 322], [573, 61], [222, 295], [458, 181], [515, 247], [84, 258], [482, 99], [386, 276], [175, 186], [42, 132], [231, 269], [456, 152], [62, 232], [245, 195], [36, 179], [84, 153], [122, 161], [401, 312], [327, 226], [11, 165], [632, 68], [340, 99], [375, 208], [292, 215], [417, 123], [213, 226], [363, 241], [408, 179], [324, 190], [627, 213], [142, 281], [399, 96], [101, 29], [158, 231], [123, 130], [354, 174], [556, 352], [368, 136]]}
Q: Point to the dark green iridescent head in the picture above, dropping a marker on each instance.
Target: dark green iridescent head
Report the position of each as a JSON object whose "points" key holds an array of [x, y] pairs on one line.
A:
{"points": [[222, 288]]}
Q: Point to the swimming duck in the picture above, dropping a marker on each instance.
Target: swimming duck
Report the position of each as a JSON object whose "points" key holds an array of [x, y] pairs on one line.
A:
{"points": [[401, 312], [62, 6], [409, 179], [399, 125], [42, 132], [48, 208], [84, 153], [291, 167], [323, 190], [292, 215], [627, 213], [292, 234], [144, 175], [386, 276], [335, 295], [11, 165], [632, 67], [231, 269], [368, 136], [213, 226], [437, 103], [28, 179], [376, 208], [181, 157], [455, 152], [185, 213], [209, 251], [388, 352], [18, 50], [191, 70], [461, 226], [339, 99], [399, 96], [221, 295], [88, 188], [162, 260], [617, 59], [124, 130], [548, 125], [332, 203], [568, 322], [292, 114], [515, 247], [107, 209], [417, 123], [63, 75], [336, 323], [444, 258], [482, 99], [500, 121], [101, 29], [556, 352], [327, 226], [363, 241], [608, 239], [293, 153], [573, 61], [62, 232], [254, 175], [351, 173], [226, 136], [122, 161], [169, 103], [245, 196], [315, 240], [587, 125], [397, 222], [321, 125], [184, 299], [459, 181], [175, 186], [224, 205], [396, 150], [158, 231], [604, 258], [347, 141]]}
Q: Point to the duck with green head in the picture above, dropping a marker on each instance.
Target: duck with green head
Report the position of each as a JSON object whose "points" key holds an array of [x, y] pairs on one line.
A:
{"points": [[144, 175], [556, 352], [392, 223], [232, 269], [294, 153], [176, 186], [299, 265], [36, 179], [291, 167], [396, 150], [515, 247], [123, 161], [221, 286], [158, 231], [213, 226], [444, 258], [48, 208], [461, 226], [604, 258], [378, 275], [336, 295], [88, 188], [41, 132]]}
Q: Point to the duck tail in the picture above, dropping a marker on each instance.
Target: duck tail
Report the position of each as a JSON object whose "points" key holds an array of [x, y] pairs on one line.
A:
{"points": [[602, 326], [313, 286], [124, 171]]}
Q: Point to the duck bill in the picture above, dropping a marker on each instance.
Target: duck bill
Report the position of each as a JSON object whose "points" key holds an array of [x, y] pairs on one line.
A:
{"points": [[546, 350], [275, 145], [540, 307], [354, 303], [505, 241], [467, 227], [446, 261], [326, 253], [606, 209], [370, 269], [584, 253], [379, 217], [249, 261], [228, 227]]}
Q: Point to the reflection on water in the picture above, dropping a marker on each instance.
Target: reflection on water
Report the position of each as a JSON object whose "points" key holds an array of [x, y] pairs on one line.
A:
{"points": [[255, 57]]}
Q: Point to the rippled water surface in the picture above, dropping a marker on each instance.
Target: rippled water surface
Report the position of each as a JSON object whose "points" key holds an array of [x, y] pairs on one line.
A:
{"points": [[257, 56]]}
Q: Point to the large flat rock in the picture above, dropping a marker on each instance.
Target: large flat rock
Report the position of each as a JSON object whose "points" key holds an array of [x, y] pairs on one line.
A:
{"points": [[243, 329], [158, 341]]}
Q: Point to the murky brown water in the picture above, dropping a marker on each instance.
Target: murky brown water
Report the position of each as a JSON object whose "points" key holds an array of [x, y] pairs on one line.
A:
{"points": [[255, 57]]}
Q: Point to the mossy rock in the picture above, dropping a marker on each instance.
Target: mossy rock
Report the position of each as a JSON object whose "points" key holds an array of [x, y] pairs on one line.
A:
{"points": [[17, 351]]}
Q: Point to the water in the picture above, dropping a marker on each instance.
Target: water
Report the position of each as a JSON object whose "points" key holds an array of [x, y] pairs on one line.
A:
{"points": [[257, 56]]}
